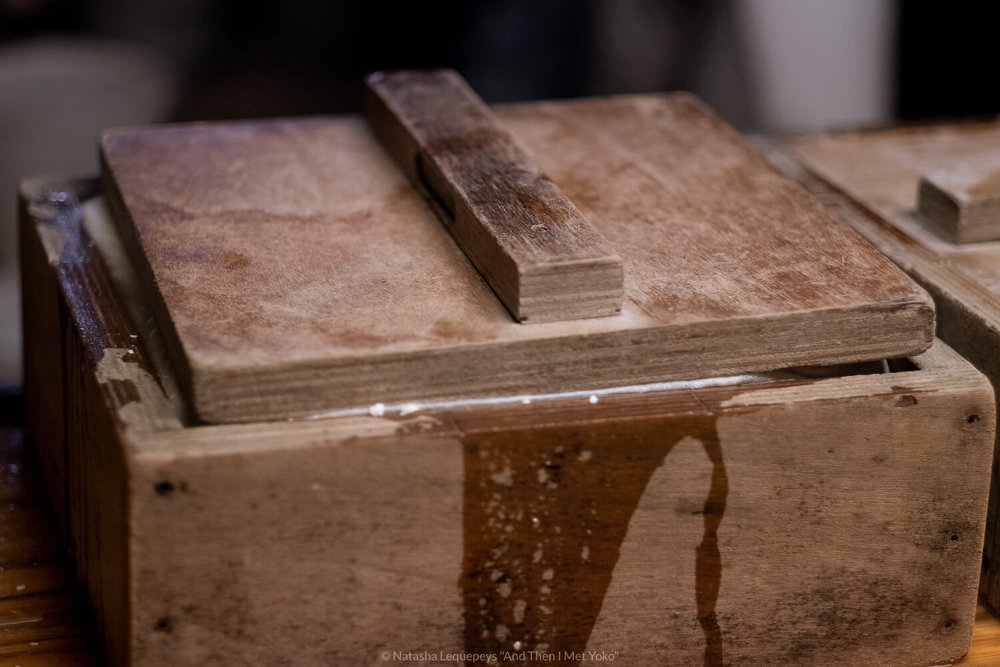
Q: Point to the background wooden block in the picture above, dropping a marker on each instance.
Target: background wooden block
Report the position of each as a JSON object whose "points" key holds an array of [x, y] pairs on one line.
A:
{"points": [[293, 270], [963, 199], [771, 518], [868, 179]]}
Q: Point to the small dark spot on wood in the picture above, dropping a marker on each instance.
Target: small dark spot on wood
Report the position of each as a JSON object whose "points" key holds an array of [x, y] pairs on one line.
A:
{"points": [[949, 624], [164, 624], [878, 458], [234, 260], [972, 419], [906, 400], [954, 538], [164, 488], [131, 358]]}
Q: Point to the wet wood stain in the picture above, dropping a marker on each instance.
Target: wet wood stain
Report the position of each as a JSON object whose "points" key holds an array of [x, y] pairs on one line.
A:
{"points": [[545, 513], [708, 563]]}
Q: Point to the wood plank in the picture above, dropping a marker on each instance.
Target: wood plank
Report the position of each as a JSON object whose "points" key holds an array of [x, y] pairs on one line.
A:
{"points": [[869, 179], [537, 251], [294, 271]]}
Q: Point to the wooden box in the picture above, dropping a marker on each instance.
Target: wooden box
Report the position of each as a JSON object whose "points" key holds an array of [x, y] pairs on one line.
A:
{"points": [[769, 514], [875, 180]]}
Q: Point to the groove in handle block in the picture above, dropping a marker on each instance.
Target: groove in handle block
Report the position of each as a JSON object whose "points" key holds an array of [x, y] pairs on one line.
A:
{"points": [[539, 254]]}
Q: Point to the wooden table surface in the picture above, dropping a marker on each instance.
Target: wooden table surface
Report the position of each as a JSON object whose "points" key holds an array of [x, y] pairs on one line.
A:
{"points": [[43, 620]]}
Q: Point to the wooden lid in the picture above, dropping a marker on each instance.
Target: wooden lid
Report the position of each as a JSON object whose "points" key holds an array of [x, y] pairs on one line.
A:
{"points": [[295, 270]]}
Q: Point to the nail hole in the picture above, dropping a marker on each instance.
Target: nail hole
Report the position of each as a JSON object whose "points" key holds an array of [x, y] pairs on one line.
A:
{"points": [[164, 488], [165, 624], [972, 419], [954, 538]]}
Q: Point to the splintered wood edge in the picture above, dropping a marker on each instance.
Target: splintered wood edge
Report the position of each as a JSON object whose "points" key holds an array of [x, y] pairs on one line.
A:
{"points": [[116, 348], [537, 251]]}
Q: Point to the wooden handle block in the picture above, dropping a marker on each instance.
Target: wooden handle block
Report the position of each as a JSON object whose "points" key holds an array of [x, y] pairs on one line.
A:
{"points": [[539, 254], [963, 202]]}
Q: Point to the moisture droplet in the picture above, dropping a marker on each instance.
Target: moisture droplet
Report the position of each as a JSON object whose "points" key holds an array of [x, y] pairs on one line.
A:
{"points": [[506, 477], [519, 608], [593, 399]]}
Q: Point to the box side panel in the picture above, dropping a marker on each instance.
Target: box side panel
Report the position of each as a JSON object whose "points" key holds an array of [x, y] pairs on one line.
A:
{"points": [[833, 522], [96, 499], [75, 398], [976, 336], [43, 322]]}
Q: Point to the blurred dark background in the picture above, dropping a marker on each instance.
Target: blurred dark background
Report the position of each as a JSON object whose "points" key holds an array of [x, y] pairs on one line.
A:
{"points": [[69, 68]]}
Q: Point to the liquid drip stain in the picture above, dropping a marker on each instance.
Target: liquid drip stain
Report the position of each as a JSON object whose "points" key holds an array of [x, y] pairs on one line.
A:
{"points": [[708, 563], [545, 513]]}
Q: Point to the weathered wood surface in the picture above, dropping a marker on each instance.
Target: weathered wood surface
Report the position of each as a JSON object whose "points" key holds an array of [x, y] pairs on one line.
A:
{"points": [[87, 379], [667, 524], [61, 636], [540, 255], [885, 170], [294, 270], [869, 180]]}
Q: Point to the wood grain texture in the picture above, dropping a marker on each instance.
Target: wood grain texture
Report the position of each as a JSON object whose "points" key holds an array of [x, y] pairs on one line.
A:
{"points": [[293, 270], [670, 522], [543, 259], [864, 177], [59, 637], [575, 526]]}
